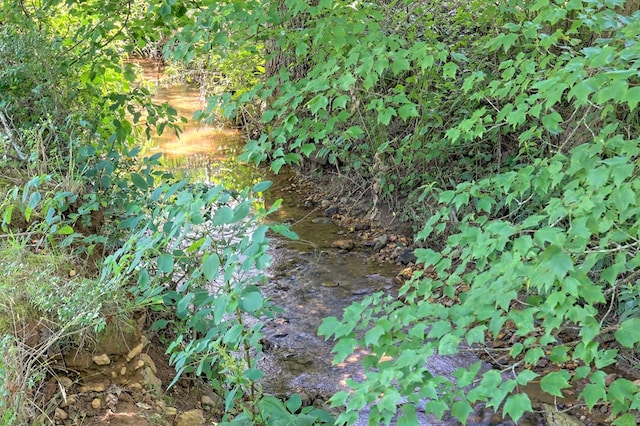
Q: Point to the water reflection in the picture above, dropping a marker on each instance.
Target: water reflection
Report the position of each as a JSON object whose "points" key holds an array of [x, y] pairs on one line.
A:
{"points": [[202, 152]]}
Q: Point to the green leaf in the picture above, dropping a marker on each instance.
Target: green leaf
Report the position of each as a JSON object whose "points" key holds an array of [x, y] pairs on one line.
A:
{"points": [[211, 266], [233, 334], [262, 186], [284, 230], [65, 230], [449, 70], [407, 111], [165, 263], [553, 383], [373, 335], [251, 301], [182, 308], [253, 374], [223, 216], [139, 181], [628, 334], [593, 393], [516, 405], [294, 403]]}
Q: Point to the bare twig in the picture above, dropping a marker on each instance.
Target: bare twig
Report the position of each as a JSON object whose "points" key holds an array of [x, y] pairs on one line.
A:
{"points": [[9, 132]]}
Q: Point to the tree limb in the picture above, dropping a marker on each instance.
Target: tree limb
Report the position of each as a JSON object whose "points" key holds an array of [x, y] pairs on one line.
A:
{"points": [[9, 132]]}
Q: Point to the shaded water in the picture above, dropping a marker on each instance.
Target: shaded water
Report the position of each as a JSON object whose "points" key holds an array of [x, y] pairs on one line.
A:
{"points": [[308, 279]]}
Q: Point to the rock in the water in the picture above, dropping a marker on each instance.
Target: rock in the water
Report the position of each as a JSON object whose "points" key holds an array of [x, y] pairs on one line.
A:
{"points": [[331, 210], [322, 220], [405, 256], [101, 359], [380, 242], [343, 244], [555, 417], [191, 418]]}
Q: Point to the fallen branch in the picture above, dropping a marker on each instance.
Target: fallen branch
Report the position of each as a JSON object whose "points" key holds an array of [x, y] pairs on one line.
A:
{"points": [[9, 132]]}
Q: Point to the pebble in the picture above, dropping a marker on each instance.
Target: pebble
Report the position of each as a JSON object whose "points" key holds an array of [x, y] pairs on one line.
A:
{"points": [[61, 414], [96, 403], [191, 418], [170, 411], [92, 387], [101, 359], [207, 402], [343, 244]]}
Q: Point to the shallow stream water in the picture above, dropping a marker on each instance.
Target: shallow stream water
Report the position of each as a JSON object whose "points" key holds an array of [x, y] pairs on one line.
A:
{"points": [[308, 279]]}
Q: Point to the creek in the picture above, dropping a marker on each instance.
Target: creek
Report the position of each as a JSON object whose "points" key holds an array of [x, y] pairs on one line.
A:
{"points": [[308, 279]]}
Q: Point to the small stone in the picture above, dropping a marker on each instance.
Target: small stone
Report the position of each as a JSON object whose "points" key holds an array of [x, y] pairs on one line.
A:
{"points": [[149, 362], [343, 244], [65, 382], [135, 351], [70, 400], [93, 387], [542, 362], [123, 370], [139, 365], [134, 386], [405, 256], [150, 379], [207, 401], [170, 411], [380, 242], [101, 359], [61, 414], [96, 403], [331, 211], [191, 418]]}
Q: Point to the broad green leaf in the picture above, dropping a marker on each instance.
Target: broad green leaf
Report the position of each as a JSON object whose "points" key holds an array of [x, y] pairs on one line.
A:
{"points": [[223, 216], [372, 336], [628, 334], [211, 266], [516, 405], [139, 181], [294, 403], [182, 308], [262, 186], [553, 383], [165, 263], [251, 301]]}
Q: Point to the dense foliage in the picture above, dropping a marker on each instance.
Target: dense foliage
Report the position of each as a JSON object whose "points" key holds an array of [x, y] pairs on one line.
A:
{"points": [[506, 132]]}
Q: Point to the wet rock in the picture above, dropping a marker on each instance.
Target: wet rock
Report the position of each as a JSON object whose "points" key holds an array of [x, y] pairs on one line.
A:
{"points": [[405, 256], [557, 418], [322, 220], [380, 242], [331, 211], [343, 244], [191, 418], [101, 359]]}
